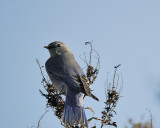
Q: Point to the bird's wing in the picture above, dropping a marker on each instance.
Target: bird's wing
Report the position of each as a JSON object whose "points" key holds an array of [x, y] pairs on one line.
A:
{"points": [[59, 70], [84, 83], [73, 75]]}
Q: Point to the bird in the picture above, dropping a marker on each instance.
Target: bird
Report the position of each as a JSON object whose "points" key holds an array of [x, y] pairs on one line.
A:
{"points": [[69, 79]]}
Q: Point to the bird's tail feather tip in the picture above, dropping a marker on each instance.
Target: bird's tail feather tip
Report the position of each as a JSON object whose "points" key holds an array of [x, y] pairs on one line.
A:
{"points": [[74, 116], [94, 97]]}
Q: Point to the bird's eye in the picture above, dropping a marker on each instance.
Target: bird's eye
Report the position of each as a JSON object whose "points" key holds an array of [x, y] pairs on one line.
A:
{"points": [[58, 45]]}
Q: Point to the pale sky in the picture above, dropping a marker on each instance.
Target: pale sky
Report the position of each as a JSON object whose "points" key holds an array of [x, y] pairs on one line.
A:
{"points": [[123, 32]]}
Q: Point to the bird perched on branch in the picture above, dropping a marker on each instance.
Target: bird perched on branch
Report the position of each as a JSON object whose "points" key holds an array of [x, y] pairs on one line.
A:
{"points": [[69, 79]]}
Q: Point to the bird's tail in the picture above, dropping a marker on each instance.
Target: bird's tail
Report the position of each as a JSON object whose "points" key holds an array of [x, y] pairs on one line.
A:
{"points": [[94, 97], [74, 113], [73, 116]]}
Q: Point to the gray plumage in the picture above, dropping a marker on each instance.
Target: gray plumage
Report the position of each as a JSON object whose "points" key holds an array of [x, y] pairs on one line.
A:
{"points": [[68, 77]]}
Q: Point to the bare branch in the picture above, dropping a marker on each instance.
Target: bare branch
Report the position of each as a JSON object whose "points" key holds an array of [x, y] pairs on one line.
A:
{"points": [[151, 117], [90, 59], [98, 58], [95, 118], [112, 97], [91, 71], [41, 119]]}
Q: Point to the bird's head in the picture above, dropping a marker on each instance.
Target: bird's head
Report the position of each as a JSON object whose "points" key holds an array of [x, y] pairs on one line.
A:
{"points": [[57, 48]]}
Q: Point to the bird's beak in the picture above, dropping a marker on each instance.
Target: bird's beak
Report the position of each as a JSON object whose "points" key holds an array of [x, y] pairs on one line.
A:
{"points": [[46, 47]]}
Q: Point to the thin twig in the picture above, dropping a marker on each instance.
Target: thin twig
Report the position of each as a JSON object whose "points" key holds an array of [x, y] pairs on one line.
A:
{"points": [[43, 78], [117, 80], [106, 86], [90, 59], [40, 68], [84, 60], [115, 74], [150, 116], [98, 63], [41, 119]]}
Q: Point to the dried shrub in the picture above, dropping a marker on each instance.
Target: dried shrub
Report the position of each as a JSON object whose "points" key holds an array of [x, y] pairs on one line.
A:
{"points": [[132, 124], [112, 97]]}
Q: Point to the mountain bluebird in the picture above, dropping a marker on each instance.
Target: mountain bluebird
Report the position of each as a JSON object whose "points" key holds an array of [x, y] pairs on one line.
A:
{"points": [[69, 79]]}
